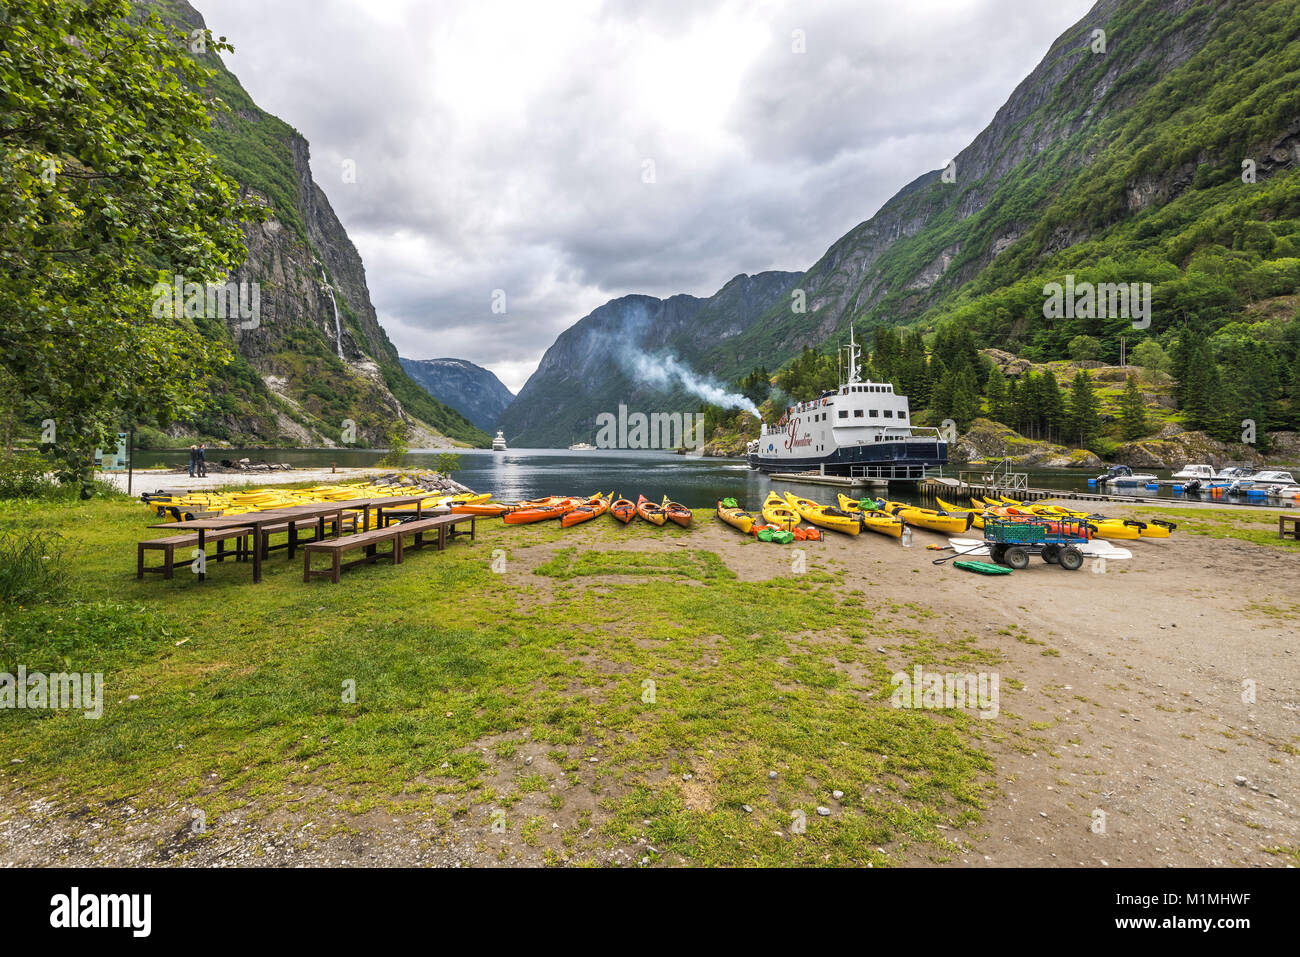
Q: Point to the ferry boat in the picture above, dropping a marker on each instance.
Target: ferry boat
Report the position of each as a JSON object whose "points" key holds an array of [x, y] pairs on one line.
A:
{"points": [[499, 443], [859, 429]]}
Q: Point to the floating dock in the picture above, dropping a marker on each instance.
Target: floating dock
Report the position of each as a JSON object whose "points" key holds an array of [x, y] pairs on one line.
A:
{"points": [[816, 478]]}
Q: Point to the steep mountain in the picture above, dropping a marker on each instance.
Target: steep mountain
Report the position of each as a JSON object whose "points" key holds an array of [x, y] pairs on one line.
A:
{"points": [[1158, 142], [622, 352], [317, 357], [471, 390]]}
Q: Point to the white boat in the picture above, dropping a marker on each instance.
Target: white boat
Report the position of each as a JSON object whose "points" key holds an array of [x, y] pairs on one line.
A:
{"points": [[499, 443], [1123, 475], [1272, 483], [1189, 472], [582, 447], [861, 428]]}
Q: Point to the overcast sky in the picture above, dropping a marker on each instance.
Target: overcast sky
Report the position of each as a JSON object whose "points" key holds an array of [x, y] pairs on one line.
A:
{"points": [[568, 152]]}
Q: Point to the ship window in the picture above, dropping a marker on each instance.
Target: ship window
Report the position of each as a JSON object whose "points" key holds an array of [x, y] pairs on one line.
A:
{"points": [[857, 413], [902, 415], [875, 413], [843, 414], [889, 413]]}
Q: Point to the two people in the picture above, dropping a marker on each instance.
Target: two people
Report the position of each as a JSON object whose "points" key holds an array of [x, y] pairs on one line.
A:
{"points": [[198, 460]]}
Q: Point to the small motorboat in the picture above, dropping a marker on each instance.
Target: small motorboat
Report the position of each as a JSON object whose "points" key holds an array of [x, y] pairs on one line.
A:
{"points": [[1195, 472], [1120, 475]]}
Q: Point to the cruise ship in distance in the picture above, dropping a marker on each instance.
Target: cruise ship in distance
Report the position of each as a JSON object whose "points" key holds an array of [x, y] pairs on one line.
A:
{"points": [[499, 443], [859, 429]]}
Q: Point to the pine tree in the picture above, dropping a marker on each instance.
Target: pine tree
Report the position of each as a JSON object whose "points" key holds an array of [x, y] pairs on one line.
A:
{"points": [[1055, 416], [996, 392], [1085, 415], [1133, 412]]}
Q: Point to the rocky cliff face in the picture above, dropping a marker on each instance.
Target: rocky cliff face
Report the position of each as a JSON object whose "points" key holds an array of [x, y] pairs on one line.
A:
{"points": [[626, 351], [471, 390], [317, 369]]}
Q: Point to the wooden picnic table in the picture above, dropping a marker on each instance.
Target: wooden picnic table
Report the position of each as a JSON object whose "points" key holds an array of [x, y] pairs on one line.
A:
{"points": [[364, 505], [294, 515]]}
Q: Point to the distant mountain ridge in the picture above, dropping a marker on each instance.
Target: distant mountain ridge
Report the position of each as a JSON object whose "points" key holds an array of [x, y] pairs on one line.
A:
{"points": [[471, 390], [1120, 157], [298, 378], [589, 368]]}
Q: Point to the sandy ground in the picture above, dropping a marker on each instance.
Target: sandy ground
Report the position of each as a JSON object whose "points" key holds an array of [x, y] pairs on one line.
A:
{"points": [[1132, 742], [151, 480]]}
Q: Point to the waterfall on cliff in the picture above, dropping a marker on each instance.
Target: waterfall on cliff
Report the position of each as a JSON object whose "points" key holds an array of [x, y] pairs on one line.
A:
{"points": [[338, 329]]}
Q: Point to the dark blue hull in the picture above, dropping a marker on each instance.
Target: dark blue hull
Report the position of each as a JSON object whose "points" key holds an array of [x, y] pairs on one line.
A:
{"points": [[886, 459]]}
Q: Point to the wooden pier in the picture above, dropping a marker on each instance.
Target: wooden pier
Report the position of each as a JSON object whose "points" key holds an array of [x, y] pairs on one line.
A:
{"points": [[816, 478]]}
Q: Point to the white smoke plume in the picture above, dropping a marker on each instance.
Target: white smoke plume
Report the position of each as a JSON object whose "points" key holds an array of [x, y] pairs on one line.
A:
{"points": [[664, 370]]}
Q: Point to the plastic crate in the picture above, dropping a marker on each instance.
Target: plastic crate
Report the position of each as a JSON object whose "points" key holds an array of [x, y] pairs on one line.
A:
{"points": [[1018, 530]]}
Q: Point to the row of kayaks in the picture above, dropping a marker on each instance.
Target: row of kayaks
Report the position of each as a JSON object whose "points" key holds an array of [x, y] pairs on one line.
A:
{"points": [[173, 507], [1119, 529], [571, 510], [884, 517]]}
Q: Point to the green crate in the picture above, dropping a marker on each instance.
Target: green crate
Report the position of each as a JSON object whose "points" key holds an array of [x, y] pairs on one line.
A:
{"points": [[1002, 530]]}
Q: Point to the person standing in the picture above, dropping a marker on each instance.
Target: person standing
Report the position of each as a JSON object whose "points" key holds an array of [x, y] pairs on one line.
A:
{"points": [[194, 459], [203, 460]]}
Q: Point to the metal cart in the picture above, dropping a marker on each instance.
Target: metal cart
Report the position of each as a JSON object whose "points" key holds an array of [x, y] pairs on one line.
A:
{"points": [[1012, 541]]}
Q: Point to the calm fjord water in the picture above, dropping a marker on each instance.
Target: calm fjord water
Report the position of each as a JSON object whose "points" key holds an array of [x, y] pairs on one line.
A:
{"points": [[529, 473]]}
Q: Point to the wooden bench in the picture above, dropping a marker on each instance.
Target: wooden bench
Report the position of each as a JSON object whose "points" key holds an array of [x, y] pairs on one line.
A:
{"points": [[349, 522], [445, 525], [169, 545], [1292, 520], [335, 547]]}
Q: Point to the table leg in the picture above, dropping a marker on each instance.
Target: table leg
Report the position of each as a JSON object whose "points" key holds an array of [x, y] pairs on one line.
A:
{"points": [[203, 561], [257, 553], [365, 519], [293, 538]]}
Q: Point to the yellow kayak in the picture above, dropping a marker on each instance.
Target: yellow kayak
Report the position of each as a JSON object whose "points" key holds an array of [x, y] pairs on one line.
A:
{"points": [[827, 516], [929, 518], [735, 516], [777, 512], [976, 514], [872, 520]]}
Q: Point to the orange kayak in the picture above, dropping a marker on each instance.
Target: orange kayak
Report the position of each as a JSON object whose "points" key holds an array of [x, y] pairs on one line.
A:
{"points": [[596, 505], [651, 512], [623, 510], [541, 510], [677, 512]]}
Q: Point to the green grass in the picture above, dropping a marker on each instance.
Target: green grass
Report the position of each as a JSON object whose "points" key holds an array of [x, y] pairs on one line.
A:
{"points": [[240, 695]]}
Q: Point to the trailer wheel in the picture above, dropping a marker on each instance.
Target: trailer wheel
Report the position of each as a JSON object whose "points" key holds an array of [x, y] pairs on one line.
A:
{"points": [[1071, 559], [998, 553], [1017, 557], [1051, 553]]}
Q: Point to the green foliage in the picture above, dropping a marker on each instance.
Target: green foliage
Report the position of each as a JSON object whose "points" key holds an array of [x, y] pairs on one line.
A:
{"points": [[1133, 412], [808, 375], [448, 463], [1084, 348], [23, 476], [1085, 411], [399, 436], [33, 565], [105, 189]]}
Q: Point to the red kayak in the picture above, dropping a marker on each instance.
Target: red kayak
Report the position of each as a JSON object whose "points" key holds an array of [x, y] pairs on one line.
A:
{"points": [[677, 512], [623, 510], [541, 510]]}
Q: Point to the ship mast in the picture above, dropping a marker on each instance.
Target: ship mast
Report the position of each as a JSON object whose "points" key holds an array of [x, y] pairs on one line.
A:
{"points": [[854, 353]]}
